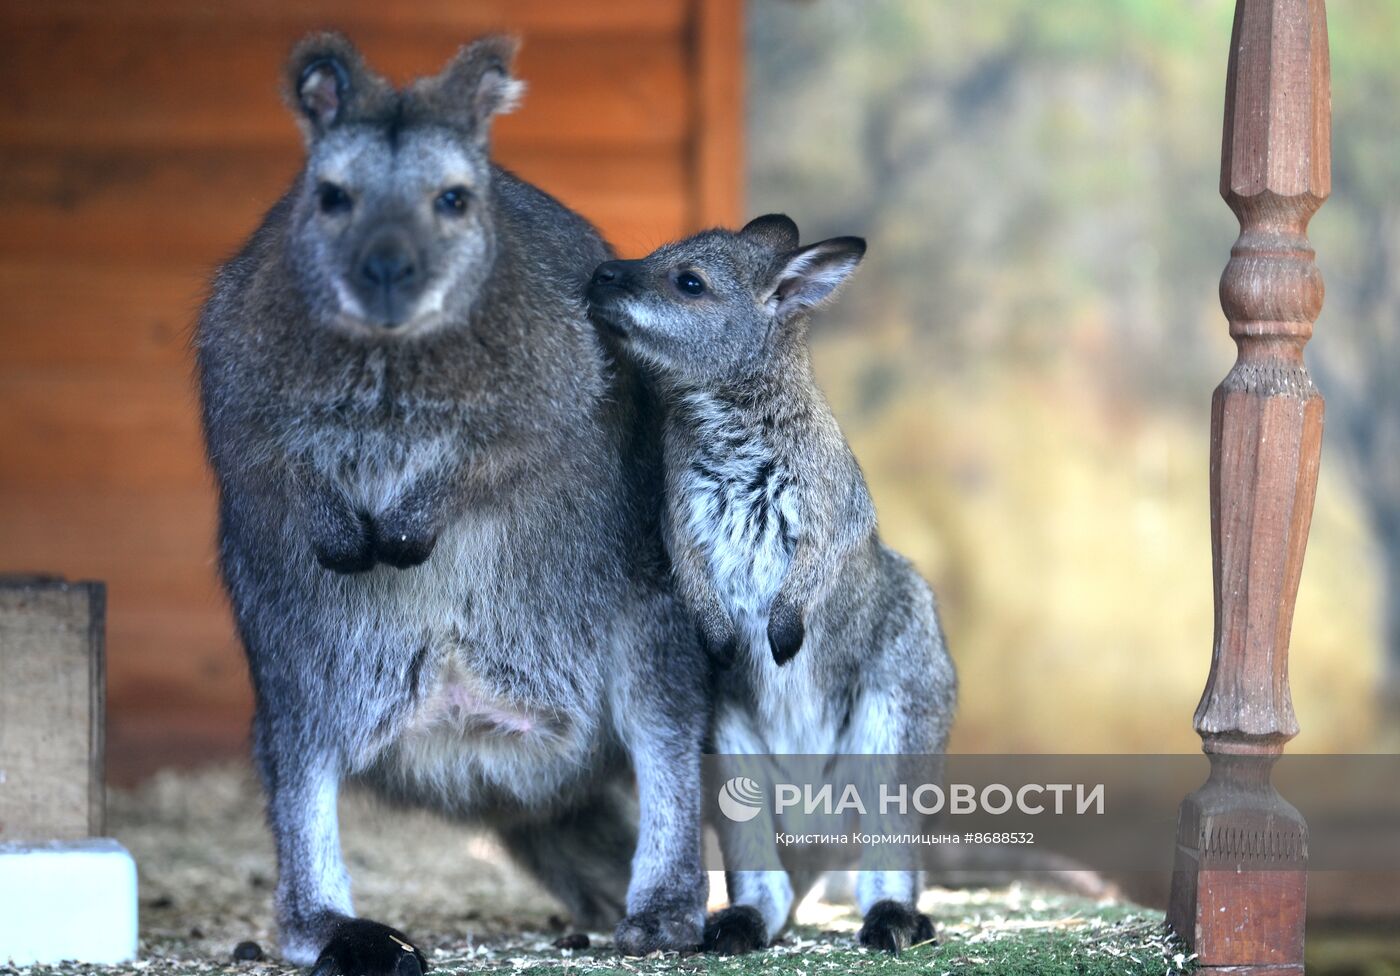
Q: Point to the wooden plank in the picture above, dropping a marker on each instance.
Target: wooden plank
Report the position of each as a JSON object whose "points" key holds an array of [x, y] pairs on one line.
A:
{"points": [[635, 198], [83, 316], [158, 666], [196, 206], [184, 85], [159, 540], [51, 710], [173, 733], [718, 142], [567, 18], [123, 432]]}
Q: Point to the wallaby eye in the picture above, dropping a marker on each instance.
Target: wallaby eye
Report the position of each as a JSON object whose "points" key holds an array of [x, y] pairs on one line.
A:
{"points": [[452, 202], [690, 283], [334, 199]]}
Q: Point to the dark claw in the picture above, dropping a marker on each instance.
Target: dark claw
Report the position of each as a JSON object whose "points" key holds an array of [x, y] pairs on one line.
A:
{"points": [[360, 947], [892, 927], [884, 939], [735, 931], [344, 543], [403, 551], [346, 560], [722, 649], [247, 952], [646, 932], [785, 632], [923, 931]]}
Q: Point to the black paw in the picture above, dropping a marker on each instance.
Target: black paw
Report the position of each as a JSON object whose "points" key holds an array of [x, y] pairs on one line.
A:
{"points": [[893, 927], [402, 550], [646, 932], [785, 631], [350, 549], [721, 648], [360, 947], [734, 931]]}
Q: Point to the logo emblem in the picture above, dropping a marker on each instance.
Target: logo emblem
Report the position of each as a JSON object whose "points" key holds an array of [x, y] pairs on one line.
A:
{"points": [[740, 799]]}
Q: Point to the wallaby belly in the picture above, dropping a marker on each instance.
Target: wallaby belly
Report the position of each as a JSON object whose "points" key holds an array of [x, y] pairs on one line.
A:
{"points": [[480, 700]]}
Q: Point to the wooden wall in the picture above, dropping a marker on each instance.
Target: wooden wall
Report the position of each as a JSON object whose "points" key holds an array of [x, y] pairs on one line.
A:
{"points": [[139, 143]]}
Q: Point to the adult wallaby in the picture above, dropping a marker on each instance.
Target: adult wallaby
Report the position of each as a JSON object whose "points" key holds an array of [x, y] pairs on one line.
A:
{"points": [[438, 519], [832, 637]]}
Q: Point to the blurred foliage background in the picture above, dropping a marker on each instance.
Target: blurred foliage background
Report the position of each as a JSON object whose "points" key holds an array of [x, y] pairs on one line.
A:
{"points": [[1024, 363]]}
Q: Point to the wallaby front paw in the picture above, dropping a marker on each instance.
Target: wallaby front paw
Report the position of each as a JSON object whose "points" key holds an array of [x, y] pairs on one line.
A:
{"points": [[721, 647], [734, 931], [349, 550], [360, 947], [785, 631], [646, 932], [894, 927], [402, 549], [346, 560]]}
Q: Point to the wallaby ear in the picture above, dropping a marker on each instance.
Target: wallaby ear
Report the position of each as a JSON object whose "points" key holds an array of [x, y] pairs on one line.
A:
{"points": [[325, 76], [809, 276], [775, 231], [477, 84]]}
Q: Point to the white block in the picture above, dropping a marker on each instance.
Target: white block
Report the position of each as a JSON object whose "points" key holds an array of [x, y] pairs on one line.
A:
{"points": [[67, 901]]}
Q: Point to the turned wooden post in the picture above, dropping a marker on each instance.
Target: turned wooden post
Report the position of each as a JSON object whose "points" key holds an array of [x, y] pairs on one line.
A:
{"points": [[1240, 884]]}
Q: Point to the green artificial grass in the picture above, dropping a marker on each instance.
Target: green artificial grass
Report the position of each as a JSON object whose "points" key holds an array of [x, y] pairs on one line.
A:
{"points": [[997, 932], [990, 933]]}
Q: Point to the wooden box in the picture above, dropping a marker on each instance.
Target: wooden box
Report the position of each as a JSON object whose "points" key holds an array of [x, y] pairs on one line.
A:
{"points": [[51, 709]]}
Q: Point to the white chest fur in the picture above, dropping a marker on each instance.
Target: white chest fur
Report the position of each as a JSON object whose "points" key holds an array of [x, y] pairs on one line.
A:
{"points": [[737, 507]]}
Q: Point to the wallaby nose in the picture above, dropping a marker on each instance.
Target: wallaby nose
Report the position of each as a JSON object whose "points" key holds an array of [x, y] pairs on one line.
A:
{"points": [[388, 265], [608, 273]]}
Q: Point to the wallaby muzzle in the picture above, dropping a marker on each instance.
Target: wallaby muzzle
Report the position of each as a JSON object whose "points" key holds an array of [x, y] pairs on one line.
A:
{"points": [[388, 277], [613, 275], [611, 280]]}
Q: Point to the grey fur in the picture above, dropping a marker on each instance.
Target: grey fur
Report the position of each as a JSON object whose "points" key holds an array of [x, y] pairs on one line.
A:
{"points": [[834, 637], [439, 528]]}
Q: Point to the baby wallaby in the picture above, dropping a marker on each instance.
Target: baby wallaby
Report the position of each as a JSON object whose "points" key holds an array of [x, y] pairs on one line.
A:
{"points": [[831, 639]]}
